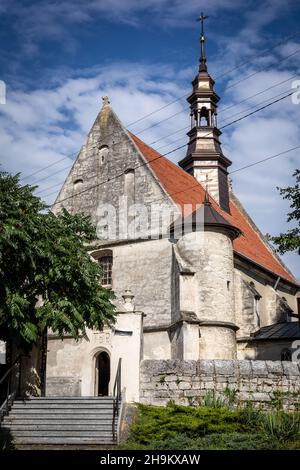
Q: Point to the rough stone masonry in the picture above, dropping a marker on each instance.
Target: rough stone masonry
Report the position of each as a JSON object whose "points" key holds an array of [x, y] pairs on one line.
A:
{"points": [[266, 384]]}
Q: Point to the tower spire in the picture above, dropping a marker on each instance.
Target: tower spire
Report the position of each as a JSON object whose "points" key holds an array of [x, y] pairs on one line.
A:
{"points": [[202, 66], [204, 157]]}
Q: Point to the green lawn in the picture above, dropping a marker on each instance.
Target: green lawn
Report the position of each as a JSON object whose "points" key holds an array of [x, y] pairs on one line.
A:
{"points": [[186, 427]]}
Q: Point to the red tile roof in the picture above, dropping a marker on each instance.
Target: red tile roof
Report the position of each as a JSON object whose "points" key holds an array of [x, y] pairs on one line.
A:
{"points": [[185, 189]]}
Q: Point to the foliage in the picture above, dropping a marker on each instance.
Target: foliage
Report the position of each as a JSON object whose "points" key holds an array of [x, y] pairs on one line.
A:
{"points": [[280, 425], [290, 241], [42, 256], [167, 422], [217, 441], [177, 427], [210, 400]]}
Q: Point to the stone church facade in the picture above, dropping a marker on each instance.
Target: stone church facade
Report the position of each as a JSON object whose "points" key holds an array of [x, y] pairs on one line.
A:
{"points": [[201, 283]]}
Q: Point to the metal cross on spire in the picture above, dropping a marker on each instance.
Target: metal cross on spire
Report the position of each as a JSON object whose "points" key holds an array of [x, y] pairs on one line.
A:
{"points": [[202, 18], [202, 67]]}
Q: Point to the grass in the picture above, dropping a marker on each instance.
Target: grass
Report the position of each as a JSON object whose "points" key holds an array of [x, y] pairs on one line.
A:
{"points": [[216, 427]]}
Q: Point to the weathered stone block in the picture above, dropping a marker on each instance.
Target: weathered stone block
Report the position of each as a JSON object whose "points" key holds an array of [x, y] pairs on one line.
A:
{"points": [[245, 369], [260, 397], [164, 394], [205, 368], [171, 378], [291, 368], [225, 368], [184, 385], [274, 367], [259, 369], [196, 386], [148, 386], [145, 378], [192, 393]]}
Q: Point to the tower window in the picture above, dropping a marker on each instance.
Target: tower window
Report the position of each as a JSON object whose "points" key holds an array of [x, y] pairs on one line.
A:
{"points": [[204, 117], [106, 263], [78, 181]]}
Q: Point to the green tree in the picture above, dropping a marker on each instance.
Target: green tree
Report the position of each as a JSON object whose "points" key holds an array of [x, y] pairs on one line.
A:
{"points": [[47, 278], [290, 241]]}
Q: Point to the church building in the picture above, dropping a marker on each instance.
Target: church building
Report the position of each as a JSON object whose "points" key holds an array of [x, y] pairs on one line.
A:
{"points": [[201, 283]]}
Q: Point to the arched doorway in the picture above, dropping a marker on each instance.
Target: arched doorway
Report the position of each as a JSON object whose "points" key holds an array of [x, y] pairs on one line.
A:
{"points": [[102, 374]]}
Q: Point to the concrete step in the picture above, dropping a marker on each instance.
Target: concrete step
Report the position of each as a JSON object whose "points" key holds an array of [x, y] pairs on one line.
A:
{"points": [[106, 397], [35, 419], [65, 401], [58, 433], [63, 442], [55, 426], [63, 411], [61, 421], [40, 405], [56, 422]]}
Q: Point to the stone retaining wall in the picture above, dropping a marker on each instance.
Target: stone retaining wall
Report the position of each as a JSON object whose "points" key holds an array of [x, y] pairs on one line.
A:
{"points": [[264, 383]]}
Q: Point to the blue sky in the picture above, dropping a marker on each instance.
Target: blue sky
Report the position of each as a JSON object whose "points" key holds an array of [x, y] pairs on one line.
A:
{"points": [[58, 58]]}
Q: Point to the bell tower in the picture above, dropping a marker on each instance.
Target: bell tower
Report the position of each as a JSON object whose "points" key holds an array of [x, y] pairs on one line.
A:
{"points": [[204, 158]]}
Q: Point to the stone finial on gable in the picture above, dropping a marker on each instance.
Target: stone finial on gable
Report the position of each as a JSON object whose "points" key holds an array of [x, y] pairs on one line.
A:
{"points": [[105, 100], [128, 300]]}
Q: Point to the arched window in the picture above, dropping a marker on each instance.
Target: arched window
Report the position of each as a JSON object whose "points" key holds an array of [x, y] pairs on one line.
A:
{"points": [[204, 117], [103, 152], [286, 354], [106, 261]]}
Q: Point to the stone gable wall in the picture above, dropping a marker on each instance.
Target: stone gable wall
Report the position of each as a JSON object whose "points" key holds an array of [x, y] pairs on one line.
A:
{"points": [[264, 383]]}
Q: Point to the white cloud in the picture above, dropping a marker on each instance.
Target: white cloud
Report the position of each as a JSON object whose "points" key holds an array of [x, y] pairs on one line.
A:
{"points": [[46, 19], [43, 126], [46, 124]]}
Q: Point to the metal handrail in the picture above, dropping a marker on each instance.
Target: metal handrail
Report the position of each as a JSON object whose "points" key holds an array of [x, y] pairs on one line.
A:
{"points": [[117, 396], [10, 395]]}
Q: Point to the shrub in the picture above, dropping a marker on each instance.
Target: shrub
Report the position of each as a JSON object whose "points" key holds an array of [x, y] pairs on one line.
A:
{"points": [[281, 426]]}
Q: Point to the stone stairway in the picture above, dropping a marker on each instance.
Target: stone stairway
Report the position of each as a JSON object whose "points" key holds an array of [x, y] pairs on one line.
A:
{"points": [[80, 422]]}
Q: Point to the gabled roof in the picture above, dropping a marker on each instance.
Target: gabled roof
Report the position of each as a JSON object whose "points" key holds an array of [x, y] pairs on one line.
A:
{"points": [[185, 189]]}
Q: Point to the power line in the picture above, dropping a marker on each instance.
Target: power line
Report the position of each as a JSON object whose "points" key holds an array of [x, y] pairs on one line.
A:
{"points": [[230, 86], [48, 166], [229, 117], [183, 96], [259, 109], [258, 71], [258, 93], [265, 159], [255, 105], [187, 127], [285, 152], [263, 53], [165, 154], [227, 72]]}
